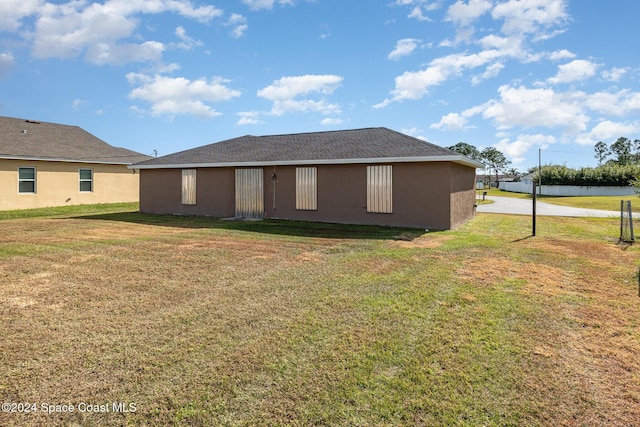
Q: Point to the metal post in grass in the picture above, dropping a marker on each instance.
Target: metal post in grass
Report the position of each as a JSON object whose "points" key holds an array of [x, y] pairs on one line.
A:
{"points": [[533, 224], [631, 236], [621, 219]]}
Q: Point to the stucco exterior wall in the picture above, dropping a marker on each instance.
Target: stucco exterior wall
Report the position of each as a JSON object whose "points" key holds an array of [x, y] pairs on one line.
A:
{"points": [[434, 195], [57, 184], [161, 192], [463, 194], [419, 198]]}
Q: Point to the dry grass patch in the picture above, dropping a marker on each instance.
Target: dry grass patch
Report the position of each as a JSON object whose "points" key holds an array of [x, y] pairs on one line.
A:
{"points": [[585, 291], [200, 322]]}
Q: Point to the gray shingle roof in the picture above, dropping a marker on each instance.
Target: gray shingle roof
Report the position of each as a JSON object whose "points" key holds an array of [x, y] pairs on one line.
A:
{"points": [[27, 139], [346, 146]]}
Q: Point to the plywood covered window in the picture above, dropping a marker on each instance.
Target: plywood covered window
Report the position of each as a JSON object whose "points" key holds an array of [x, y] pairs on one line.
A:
{"points": [[188, 186], [379, 189], [307, 189], [26, 180]]}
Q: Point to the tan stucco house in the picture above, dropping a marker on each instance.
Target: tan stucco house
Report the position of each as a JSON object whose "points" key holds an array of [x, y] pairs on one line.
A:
{"points": [[362, 176], [48, 164]]}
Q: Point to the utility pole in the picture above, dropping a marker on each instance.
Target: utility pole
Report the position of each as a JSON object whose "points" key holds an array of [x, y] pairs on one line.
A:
{"points": [[540, 169], [533, 223]]}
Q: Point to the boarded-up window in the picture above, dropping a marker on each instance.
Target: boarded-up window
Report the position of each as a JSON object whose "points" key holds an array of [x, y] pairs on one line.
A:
{"points": [[306, 189], [379, 189], [188, 186]]}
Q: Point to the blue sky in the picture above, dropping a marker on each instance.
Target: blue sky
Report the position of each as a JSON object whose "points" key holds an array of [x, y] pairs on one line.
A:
{"points": [[168, 75]]}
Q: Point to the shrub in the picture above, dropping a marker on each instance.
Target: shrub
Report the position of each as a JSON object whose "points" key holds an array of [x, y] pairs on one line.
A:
{"points": [[607, 176]]}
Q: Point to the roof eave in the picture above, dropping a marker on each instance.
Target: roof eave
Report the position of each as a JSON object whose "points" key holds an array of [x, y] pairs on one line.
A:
{"points": [[454, 158], [47, 159]]}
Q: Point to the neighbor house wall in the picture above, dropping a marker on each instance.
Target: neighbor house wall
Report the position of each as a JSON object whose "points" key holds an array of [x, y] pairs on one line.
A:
{"points": [[57, 184]]}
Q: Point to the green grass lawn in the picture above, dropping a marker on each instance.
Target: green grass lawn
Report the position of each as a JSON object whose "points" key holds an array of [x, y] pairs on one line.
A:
{"points": [[204, 322], [69, 210]]}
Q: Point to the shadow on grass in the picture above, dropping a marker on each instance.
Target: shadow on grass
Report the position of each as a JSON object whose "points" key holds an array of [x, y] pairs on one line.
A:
{"points": [[268, 226]]}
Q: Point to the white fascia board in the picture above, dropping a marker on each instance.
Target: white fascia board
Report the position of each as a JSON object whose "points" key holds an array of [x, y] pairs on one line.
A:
{"points": [[46, 159], [456, 159]]}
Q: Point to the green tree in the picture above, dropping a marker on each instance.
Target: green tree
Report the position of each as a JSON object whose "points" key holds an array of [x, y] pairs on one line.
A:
{"points": [[602, 152], [466, 150], [513, 172], [622, 150], [496, 161], [636, 149]]}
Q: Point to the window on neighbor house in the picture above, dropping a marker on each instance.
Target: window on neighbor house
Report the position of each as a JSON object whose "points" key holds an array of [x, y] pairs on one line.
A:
{"points": [[86, 180], [26, 180], [307, 189], [379, 189], [188, 186]]}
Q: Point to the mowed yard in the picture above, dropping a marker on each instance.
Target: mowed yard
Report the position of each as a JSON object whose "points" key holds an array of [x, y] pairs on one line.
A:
{"points": [[190, 321]]}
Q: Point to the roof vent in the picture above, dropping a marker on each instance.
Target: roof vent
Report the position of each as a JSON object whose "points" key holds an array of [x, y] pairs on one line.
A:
{"points": [[24, 131]]}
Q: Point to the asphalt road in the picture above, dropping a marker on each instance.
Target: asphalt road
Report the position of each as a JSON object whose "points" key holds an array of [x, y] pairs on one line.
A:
{"points": [[509, 205]]}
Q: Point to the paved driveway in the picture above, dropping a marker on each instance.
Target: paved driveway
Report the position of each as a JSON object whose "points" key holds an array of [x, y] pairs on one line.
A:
{"points": [[510, 205]]}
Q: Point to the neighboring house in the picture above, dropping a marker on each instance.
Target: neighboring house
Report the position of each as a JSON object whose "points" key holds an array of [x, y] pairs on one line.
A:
{"points": [[364, 176], [488, 178], [47, 164]]}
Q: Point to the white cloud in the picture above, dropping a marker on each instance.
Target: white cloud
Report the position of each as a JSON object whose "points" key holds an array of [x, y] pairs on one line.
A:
{"points": [[178, 96], [464, 14], [576, 70], [530, 108], [419, 7], [332, 121], [618, 103], [530, 16], [455, 121], [492, 71], [249, 118], [523, 20], [12, 12], [417, 14], [71, 29], [238, 24], [570, 111], [404, 47], [451, 121], [105, 53], [187, 42], [608, 130], [77, 103], [286, 92], [265, 4], [6, 63], [515, 150], [561, 54], [414, 85], [614, 74], [414, 132]]}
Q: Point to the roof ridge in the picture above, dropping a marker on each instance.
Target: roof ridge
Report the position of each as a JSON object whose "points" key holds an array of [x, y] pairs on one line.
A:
{"points": [[316, 132]]}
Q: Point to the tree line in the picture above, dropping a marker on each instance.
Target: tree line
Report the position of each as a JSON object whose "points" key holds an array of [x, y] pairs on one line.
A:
{"points": [[622, 152]]}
